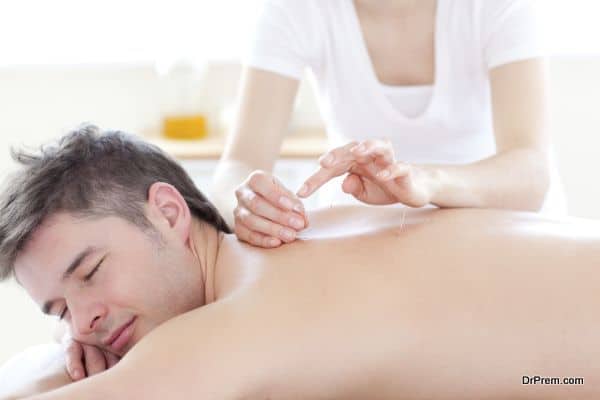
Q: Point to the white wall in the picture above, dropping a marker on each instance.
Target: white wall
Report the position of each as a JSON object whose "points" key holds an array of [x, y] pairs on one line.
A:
{"points": [[41, 103], [37, 104], [23, 324], [575, 122]]}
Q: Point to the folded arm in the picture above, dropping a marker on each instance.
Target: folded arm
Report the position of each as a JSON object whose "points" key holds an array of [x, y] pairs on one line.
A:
{"points": [[191, 356]]}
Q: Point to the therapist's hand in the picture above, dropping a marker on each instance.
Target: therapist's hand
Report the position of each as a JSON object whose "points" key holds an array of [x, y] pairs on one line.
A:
{"points": [[373, 175], [267, 213]]}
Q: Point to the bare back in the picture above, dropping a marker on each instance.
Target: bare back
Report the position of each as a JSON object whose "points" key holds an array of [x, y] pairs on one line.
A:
{"points": [[456, 304], [379, 311]]}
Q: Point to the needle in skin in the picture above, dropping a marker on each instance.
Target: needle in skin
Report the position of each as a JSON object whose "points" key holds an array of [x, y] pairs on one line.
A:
{"points": [[403, 216]]}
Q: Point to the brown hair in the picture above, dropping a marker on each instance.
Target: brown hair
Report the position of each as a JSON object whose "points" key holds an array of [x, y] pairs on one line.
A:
{"points": [[89, 173]]}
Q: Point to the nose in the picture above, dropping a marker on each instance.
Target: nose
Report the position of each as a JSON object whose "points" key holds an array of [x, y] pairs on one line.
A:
{"points": [[87, 318]]}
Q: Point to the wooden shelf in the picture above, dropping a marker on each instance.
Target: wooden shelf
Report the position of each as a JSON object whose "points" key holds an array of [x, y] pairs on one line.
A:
{"points": [[295, 146]]}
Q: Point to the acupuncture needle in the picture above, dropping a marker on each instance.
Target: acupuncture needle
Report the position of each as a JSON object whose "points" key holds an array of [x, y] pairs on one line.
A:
{"points": [[403, 216]]}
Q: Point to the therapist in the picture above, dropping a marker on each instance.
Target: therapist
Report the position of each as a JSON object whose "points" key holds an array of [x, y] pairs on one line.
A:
{"points": [[447, 96]]}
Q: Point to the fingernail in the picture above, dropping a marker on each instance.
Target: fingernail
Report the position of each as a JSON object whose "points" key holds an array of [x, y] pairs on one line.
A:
{"points": [[285, 202], [296, 223], [360, 149], [303, 190], [287, 234], [299, 208], [76, 373], [383, 174], [273, 242]]}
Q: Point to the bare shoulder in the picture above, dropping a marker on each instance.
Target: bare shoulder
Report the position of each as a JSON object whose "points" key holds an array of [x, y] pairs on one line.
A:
{"points": [[209, 352], [205, 353]]}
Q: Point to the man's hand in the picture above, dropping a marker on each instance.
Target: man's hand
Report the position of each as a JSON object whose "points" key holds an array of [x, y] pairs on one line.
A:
{"points": [[374, 176], [84, 360], [267, 213]]}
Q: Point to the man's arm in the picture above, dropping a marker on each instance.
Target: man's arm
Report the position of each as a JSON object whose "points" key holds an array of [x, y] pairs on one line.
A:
{"points": [[201, 354]]}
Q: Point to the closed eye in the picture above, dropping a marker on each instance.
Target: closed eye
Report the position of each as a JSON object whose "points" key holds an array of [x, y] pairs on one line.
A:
{"points": [[93, 271], [86, 278]]}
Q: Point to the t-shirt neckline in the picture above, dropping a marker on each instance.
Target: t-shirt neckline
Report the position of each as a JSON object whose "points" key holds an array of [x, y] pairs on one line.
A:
{"points": [[377, 86]]}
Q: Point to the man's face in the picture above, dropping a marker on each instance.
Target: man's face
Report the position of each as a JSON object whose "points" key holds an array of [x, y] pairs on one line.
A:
{"points": [[111, 282]]}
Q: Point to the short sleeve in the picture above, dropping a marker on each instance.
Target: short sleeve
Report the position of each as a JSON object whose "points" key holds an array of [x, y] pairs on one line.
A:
{"points": [[282, 38], [510, 31]]}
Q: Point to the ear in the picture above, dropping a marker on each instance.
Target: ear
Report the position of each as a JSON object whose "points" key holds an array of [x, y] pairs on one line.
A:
{"points": [[169, 209]]}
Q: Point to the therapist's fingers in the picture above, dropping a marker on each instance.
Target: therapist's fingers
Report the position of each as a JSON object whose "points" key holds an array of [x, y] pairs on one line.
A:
{"points": [[298, 206], [401, 182], [393, 181], [340, 160], [380, 150], [248, 220], [271, 189], [396, 180], [337, 162], [361, 184], [339, 155], [357, 187], [394, 171], [333, 164], [321, 177], [353, 185], [259, 206], [255, 238]]}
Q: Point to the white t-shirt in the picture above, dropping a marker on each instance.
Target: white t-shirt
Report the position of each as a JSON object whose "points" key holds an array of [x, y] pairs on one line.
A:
{"points": [[455, 124], [410, 101]]}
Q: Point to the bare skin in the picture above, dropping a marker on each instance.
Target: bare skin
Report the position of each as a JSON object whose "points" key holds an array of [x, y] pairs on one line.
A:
{"points": [[456, 304]]}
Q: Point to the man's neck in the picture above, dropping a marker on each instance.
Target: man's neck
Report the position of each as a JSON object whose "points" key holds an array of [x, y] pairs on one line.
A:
{"points": [[205, 243], [219, 256]]}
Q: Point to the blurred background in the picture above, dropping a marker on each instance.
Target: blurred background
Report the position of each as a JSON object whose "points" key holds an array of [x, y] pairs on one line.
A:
{"points": [[169, 70]]}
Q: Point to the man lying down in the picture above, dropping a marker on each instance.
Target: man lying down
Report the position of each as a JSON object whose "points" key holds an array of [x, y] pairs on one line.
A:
{"points": [[112, 236]]}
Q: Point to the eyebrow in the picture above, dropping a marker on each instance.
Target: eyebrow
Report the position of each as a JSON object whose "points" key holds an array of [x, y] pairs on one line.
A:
{"points": [[76, 263]]}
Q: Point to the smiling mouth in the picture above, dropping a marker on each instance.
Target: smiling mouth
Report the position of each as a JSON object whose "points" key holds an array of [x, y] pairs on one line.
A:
{"points": [[119, 339]]}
